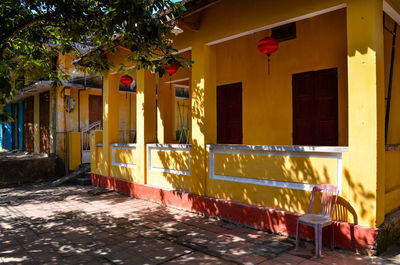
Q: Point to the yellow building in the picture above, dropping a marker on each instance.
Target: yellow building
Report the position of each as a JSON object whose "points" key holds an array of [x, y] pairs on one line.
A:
{"points": [[259, 142], [77, 110]]}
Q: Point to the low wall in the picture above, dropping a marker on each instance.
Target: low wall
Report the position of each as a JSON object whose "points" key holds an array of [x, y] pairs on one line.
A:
{"points": [[18, 168], [168, 166], [74, 150]]}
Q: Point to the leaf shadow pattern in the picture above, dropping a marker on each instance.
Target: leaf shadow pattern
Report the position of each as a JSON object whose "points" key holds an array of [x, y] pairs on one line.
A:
{"points": [[50, 225]]}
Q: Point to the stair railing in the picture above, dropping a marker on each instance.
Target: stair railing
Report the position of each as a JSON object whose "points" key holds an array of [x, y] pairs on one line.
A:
{"points": [[85, 135]]}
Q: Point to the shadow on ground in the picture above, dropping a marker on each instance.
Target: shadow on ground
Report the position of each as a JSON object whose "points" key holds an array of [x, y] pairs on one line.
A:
{"points": [[88, 225]]}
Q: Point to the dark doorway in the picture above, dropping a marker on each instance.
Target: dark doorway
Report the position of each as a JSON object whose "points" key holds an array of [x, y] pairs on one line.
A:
{"points": [[28, 125], [315, 108], [95, 109], [229, 114], [44, 122]]}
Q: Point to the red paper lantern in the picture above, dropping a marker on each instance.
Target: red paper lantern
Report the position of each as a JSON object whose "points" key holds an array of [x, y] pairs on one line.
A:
{"points": [[126, 80], [267, 46], [172, 69]]}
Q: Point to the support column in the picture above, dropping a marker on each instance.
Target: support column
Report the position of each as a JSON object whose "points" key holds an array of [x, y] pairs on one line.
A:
{"points": [[146, 131], [36, 125], [110, 118], [203, 114], [61, 123], [161, 115], [365, 175], [53, 120], [164, 112]]}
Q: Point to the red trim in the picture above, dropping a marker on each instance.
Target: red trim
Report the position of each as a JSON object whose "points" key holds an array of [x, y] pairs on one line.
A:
{"points": [[346, 235]]}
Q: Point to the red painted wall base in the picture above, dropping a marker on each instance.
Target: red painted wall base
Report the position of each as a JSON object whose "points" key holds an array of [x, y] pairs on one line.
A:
{"points": [[346, 235]]}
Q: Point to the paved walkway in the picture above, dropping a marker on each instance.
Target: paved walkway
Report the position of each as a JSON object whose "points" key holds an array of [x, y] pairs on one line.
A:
{"points": [[86, 225]]}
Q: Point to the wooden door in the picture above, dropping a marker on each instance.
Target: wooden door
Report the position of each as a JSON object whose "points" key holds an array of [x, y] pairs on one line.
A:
{"points": [[315, 108], [28, 125], [95, 109], [44, 122], [229, 114]]}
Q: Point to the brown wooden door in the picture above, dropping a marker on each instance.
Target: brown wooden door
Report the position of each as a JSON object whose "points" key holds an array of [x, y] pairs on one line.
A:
{"points": [[315, 108], [229, 114], [28, 124], [44, 122], [95, 109]]}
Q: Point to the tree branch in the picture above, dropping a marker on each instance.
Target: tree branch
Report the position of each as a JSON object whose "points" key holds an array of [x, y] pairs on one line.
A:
{"points": [[26, 24]]}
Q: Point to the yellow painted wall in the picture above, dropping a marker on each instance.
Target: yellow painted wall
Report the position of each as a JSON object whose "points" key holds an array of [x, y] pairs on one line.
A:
{"points": [[101, 161], [267, 110], [267, 100], [84, 115], [169, 115], [74, 150], [72, 125], [169, 160], [350, 40], [146, 120], [127, 157], [278, 168], [364, 164], [84, 99], [96, 157], [285, 168], [127, 121], [84, 111]]}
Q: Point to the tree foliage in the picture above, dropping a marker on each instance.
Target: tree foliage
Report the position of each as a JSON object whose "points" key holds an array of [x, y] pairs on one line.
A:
{"points": [[34, 32]]}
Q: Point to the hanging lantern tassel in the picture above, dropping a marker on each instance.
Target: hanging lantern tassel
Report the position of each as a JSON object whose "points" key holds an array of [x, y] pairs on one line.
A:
{"points": [[267, 46]]}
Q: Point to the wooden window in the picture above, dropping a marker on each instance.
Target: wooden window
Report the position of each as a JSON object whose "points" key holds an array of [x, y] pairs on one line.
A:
{"points": [[315, 108], [95, 109], [229, 114], [284, 32]]}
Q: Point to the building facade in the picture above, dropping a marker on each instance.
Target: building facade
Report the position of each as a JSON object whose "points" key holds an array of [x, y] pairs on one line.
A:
{"points": [[259, 142]]}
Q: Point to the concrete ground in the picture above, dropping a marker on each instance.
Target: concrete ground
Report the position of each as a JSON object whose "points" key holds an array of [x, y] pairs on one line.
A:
{"points": [[87, 225]]}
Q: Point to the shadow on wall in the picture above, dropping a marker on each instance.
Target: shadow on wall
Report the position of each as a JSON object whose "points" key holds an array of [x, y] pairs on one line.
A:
{"points": [[300, 169], [292, 169], [291, 200], [128, 157]]}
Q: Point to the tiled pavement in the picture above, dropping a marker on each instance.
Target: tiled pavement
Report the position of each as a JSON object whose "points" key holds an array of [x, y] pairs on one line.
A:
{"points": [[86, 225]]}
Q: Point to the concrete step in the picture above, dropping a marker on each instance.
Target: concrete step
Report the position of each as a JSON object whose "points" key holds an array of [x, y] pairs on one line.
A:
{"points": [[84, 181], [85, 165], [70, 177]]}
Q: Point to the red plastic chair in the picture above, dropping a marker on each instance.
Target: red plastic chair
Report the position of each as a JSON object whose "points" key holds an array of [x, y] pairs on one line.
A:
{"points": [[325, 216]]}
